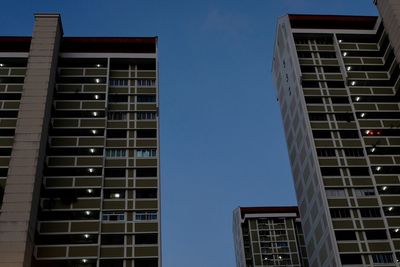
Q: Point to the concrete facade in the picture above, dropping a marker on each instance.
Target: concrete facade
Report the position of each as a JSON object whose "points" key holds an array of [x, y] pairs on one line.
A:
{"points": [[79, 150]]}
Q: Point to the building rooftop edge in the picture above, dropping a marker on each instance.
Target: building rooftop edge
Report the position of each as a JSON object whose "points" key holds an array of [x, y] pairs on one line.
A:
{"points": [[270, 209]]}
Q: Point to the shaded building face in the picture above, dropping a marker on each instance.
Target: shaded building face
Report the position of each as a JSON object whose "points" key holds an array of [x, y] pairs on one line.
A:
{"points": [[268, 236], [79, 146], [337, 82]]}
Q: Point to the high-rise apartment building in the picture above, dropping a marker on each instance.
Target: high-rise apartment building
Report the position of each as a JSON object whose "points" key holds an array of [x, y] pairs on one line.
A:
{"points": [[337, 81], [79, 150], [268, 236]]}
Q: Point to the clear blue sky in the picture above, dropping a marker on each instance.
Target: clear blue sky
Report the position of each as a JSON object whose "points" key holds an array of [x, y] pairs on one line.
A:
{"points": [[222, 143]]}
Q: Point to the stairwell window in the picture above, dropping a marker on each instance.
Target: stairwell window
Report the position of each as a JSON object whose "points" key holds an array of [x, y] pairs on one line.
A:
{"points": [[117, 116], [146, 115], [115, 153], [146, 216], [118, 82], [146, 82], [113, 216], [146, 153]]}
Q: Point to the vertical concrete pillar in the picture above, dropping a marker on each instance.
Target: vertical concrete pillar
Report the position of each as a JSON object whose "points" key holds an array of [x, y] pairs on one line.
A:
{"points": [[21, 197]]}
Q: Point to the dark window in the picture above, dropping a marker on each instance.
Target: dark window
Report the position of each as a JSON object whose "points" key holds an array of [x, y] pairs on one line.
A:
{"points": [[330, 171], [108, 172], [370, 212], [146, 133], [8, 114], [340, 213], [307, 69], [146, 193], [117, 98], [313, 100], [10, 96], [112, 263], [116, 133], [145, 263], [5, 151], [146, 239], [344, 117], [1, 194], [112, 239], [354, 152], [331, 69], [358, 171], [326, 152], [321, 134], [348, 134], [340, 100], [375, 234], [335, 84], [327, 54], [350, 259], [310, 84], [317, 116], [304, 54], [146, 98], [146, 172], [345, 235], [7, 132]]}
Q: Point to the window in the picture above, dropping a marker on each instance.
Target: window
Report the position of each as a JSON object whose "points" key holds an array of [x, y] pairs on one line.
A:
{"points": [[282, 244], [113, 216], [146, 153], [353, 152], [146, 115], [348, 134], [322, 134], [141, 239], [382, 258], [146, 133], [326, 152], [146, 172], [117, 98], [115, 153], [376, 234], [358, 171], [335, 192], [340, 100], [330, 171], [310, 84], [114, 194], [313, 100], [370, 213], [117, 116], [114, 172], [345, 235], [112, 239], [118, 82], [146, 193], [111, 263], [146, 216], [344, 117], [116, 133], [340, 213], [317, 116], [146, 98], [145, 262], [146, 82], [263, 232], [363, 192], [350, 259]]}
